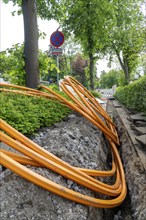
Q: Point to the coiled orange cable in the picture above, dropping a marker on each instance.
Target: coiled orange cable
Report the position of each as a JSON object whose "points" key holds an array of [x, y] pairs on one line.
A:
{"points": [[86, 104]]}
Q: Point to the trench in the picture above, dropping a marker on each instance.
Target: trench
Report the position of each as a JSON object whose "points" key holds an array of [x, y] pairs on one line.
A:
{"points": [[100, 149], [104, 158], [123, 211], [133, 207]]}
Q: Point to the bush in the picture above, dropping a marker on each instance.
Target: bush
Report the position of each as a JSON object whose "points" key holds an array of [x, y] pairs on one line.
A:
{"points": [[96, 94], [134, 95], [28, 113], [54, 87]]}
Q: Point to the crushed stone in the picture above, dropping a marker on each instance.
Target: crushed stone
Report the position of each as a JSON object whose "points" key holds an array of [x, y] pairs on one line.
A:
{"points": [[75, 141]]}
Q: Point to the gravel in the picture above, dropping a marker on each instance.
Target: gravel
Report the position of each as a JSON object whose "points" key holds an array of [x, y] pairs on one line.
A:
{"points": [[74, 140]]}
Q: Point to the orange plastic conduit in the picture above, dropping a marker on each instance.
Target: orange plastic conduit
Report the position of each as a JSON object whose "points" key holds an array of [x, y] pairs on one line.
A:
{"points": [[32, 154]]}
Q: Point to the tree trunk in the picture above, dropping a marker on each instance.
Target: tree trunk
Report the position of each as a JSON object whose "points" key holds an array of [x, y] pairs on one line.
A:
{"points": [[124, 66], [127, 75], [91, 69], [83, 78], [31, 43]]}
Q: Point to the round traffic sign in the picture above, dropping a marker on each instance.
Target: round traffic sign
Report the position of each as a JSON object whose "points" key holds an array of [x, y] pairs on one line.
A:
{"points": [[57, 38]]}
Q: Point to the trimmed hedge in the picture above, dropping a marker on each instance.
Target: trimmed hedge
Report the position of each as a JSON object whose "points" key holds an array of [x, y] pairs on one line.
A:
{"points": [[134, 95], [28, 113]]}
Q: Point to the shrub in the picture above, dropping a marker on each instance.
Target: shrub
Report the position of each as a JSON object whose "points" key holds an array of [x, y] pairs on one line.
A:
{"points": [[96, 94], [54, 87], [28, 113], [134, 95]]}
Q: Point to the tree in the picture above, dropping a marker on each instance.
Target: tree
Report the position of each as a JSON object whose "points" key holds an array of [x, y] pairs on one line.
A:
{"points": [[30, 9], [141, 69], [126, 39], [115, 27], [31, 43], [78, 69], [12, 68], [70, 51], [96, 25], [89, 22], [113, 77], [30, 40], [47, 67]]}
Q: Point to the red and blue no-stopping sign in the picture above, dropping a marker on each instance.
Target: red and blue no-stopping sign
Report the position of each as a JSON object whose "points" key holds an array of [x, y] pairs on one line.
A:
{"points": [[57, 38]]}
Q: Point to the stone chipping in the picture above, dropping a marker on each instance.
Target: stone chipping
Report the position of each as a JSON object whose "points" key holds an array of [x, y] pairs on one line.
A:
{"points": [[75, 141]]}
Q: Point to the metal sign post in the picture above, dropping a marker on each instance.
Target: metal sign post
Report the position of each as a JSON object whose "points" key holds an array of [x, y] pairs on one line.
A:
{"points": [[57, 39], [56, 52], [58, 69]]}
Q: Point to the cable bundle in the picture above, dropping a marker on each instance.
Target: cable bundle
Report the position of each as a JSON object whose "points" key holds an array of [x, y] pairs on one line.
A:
{"points": [[86, 104]]}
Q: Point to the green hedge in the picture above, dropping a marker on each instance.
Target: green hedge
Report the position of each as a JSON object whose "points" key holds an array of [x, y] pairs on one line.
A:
{"points": [[28, 113], [134, 95]]}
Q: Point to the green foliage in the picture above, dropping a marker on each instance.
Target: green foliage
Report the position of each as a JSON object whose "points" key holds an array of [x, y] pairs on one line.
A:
{"points": [[89, 22], [70, 50], [113, 77], [45, 9], [12, 65], [52, 70], [96, 94], [47, 67], [113, 27], [134, 95], [127, 38], [54, 87], [79, 65], [142, 64], [30, 10], [97, 84], [28, 113]]}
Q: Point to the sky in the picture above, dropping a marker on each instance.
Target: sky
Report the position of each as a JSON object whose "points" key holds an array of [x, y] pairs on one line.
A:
{"points": [[12, 32]]}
